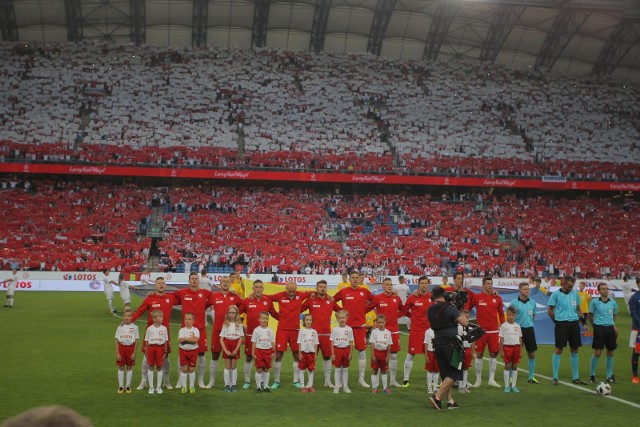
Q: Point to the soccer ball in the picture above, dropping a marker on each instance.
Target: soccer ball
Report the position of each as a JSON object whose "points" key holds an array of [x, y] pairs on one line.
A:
{"points": [[604, 389]]}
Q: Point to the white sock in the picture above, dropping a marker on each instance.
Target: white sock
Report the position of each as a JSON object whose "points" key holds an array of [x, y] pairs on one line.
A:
{"points": [[345, 378], [362, 364], [202, 364], [326, 367], [384, 381], [213, 367], [478, 369], [465, 378], [159, 379], [310, 382], [393, 367], [277, 367], [259, 378], [296, 373], [120, 378], [182, 381], [166, 369], [128, 376], [247, 372], [493, 364], [435, 379], [110, 305], [226, 376], [428, 379], [234, 376], [408, 365], [506, 377], [337, 377], [145, 369], [265, 378], [374, 381], [301, 377], [150, 378], [192, 379], [514, 377]]}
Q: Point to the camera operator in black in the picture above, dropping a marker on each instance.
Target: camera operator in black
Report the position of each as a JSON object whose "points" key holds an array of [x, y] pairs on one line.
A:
{"points": [[444, 319]]}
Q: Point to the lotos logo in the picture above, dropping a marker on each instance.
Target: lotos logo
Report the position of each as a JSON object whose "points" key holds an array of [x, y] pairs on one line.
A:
{"points": [[80, 276], [23, 285]]}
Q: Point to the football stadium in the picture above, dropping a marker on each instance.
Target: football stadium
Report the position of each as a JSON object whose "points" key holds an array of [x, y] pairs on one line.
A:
{"points": [[314, 212]]}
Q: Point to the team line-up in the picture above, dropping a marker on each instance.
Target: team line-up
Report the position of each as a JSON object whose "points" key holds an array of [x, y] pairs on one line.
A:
{"points": [[505, 335]]}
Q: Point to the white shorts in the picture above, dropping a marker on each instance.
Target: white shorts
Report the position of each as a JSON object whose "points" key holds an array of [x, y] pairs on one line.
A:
{"points": [[108, 292], [11, 289], [125, 295]]}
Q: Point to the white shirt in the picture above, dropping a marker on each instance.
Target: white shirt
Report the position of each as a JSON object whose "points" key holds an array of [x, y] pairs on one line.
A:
{"points": [[381, 340], [627, 289], [510, 333], [145, 279], [127, 334], [429, 335], [188, 333], [11, 283], [232, 332], [205, 283], [308, 340], [263, 337], [342, 337], [125, 294], [156, 335], [402, 290]]}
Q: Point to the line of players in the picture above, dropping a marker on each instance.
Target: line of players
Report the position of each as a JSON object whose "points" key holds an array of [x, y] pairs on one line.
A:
{"points": [[357, 301]]}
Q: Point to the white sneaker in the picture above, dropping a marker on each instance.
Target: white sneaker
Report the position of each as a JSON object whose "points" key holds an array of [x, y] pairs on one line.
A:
{"points": [[168, 386], [201, 385], [151, 390], [329, 385], [363, 384], [493, 383], [462, 389], [142, 385], [178, 384], [478, 383], [336, 390], [209, 385], [347, 389], [395, 384], [159, 390]]}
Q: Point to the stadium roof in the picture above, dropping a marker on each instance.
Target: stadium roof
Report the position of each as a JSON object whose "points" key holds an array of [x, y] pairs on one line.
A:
{"points": [[562, 36]]}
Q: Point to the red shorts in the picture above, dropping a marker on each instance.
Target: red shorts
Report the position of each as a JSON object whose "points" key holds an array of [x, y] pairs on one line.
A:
{"points": [[144, 347], [202, 343], [325, 345], [511, 353], [215, 341], [342, 355], [491, 340], [126, 355], [188, 357], [263, 358], [466, 362], [416, 341], [231, 345], [360, 338], [395, 342], [287, 336], [431, 365], [379, 360], [155, 355], [307, 361]]}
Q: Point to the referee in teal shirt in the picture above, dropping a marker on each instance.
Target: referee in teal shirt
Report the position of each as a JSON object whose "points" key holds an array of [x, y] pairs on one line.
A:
{"points": [[602, 315], [564, 310]]}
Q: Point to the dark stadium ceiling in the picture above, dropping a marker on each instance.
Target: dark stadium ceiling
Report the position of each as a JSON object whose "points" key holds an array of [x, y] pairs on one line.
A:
{"points": [[563, 36]]}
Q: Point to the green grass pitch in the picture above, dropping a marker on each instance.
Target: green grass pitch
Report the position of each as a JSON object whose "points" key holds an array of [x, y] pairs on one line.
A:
{"points": [[58, 348]]}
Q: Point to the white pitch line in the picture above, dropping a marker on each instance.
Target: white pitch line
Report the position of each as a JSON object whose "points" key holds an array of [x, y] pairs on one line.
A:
{"points": [[583, 388]]}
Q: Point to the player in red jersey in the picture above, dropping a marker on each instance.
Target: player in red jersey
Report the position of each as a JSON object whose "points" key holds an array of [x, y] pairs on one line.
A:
{"points": [[195, 300], [321, 307], [252, 306], [219, 302], [289, 308], [416, 308], [391, 306], [489, 316], [458, 286], [159, 300], [355, 301]]}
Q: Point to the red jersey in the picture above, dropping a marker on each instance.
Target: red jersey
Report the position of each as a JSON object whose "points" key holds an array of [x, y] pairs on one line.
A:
{"points": [[489, 311], [390, 306], [321, 310], [154, 301], [416, 308], [253, 307], [220, 302], [195, 302], [355, 301], [289, 309], [470, 295]]}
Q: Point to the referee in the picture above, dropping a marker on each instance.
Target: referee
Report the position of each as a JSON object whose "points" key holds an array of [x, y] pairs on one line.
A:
{"points": [[602, 315], [444, 319]]}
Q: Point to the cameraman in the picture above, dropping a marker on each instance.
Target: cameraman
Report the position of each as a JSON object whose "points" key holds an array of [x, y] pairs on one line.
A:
{"points": [[444, 319]]}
